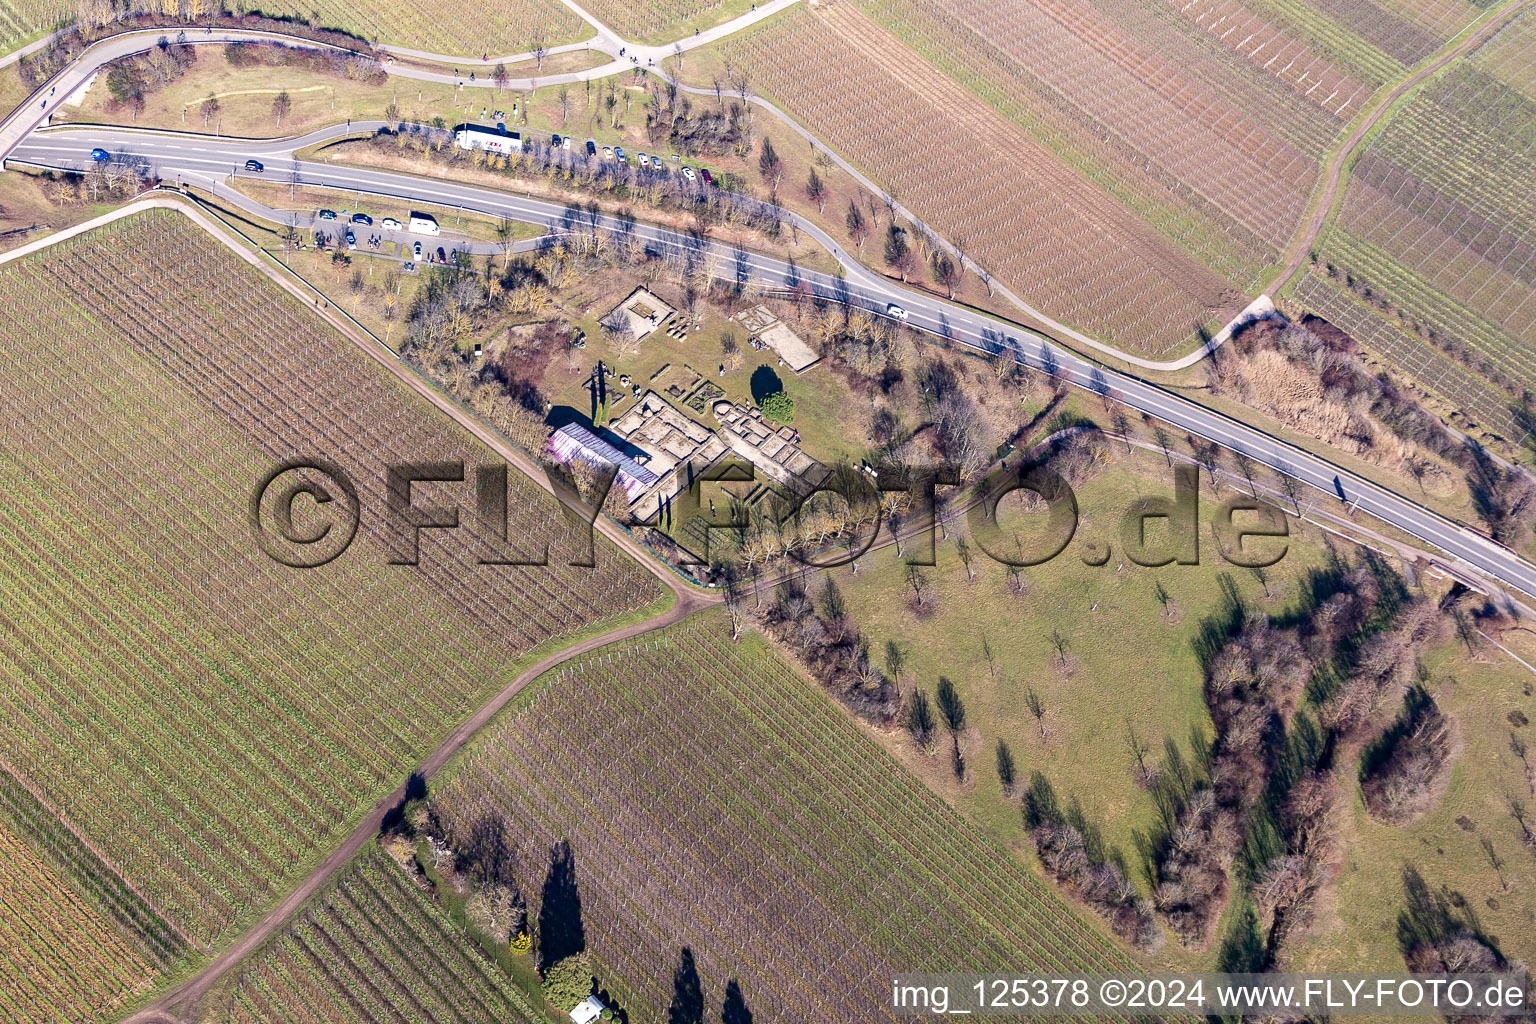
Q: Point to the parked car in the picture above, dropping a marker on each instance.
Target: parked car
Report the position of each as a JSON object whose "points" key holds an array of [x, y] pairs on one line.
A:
{"points": [[644, 160], [895, 312], [442, 257], [591, 148], [709, 179], [254, 165], [416, 250], [688, 173], [565, 143], [98, 154], [390, 224], [327, 214], [607, 152], [554, 141], [362, 218], [351, 239], [618, 151]]}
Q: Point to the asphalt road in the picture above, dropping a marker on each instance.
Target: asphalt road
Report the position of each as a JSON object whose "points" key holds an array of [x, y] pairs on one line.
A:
{"points": [[203, 161]]}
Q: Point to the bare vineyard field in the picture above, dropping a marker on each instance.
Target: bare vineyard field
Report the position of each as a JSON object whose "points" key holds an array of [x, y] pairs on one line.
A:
{"points": [[373, 950], [658, 21], [715, 800], [1150, 113], [1374, 40], [1041, 226], [1439, 219], [60, 960], [462, 28], [459, 28], [21, 20], [207, 718]]}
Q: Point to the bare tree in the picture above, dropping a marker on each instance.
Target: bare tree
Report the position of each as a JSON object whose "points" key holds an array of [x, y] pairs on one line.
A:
{"points": [[506, 231], [1245, 466], [210, 109], [1146, 771], [917, 579], [967, 556], [1164, 441], [1495, 862], [565, 104], [1518, 747], [282, 103], [500, 77], [895, 661], [540, 49], [1036, 705]]}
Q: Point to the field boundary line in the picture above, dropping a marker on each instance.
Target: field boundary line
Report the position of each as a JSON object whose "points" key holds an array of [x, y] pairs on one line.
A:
{"points": [[107, 862]]}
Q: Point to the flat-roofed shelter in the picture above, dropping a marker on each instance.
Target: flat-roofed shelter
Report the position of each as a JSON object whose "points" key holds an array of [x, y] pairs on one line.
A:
{"points": [[642, 311]]}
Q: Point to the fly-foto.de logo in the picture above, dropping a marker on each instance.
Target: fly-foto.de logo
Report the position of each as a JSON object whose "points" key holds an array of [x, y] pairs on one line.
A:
{"points": [[306, 512]]}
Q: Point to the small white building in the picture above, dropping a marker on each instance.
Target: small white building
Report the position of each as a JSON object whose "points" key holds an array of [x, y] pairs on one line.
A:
{"points": [[492, 140], [422, 224], [587, 1011]]}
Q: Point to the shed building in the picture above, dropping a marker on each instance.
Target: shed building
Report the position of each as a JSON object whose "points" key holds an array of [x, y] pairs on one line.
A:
{"points": [[574, 443]]}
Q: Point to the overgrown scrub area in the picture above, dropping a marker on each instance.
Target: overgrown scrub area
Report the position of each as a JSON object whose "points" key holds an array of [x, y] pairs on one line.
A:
{"points": [[1312, 377], [741, 834], [240, 712], [457, 28], [1402, 770], [1293, 699], [129, 79], [106, 18], [374, 949], [330, 62]]}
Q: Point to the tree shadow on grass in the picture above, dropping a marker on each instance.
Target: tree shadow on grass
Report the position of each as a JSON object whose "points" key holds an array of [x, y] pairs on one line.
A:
{"points": [[765, 381]]}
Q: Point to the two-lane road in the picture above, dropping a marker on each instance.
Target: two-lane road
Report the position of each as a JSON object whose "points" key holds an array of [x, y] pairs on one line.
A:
{"points": [[208, 160]]}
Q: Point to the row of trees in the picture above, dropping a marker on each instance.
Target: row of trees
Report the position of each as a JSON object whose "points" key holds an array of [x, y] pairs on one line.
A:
{"points": [[601, 179], [824, 637], [99, 18]]}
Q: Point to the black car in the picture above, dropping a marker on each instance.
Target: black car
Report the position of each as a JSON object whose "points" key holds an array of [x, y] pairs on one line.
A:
{"points": [[362, 218], [327, 214], [591, 148], [442, 257], [254, 165]]}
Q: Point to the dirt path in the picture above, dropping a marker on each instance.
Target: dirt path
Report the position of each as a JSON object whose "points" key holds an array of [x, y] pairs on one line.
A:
{"points": [[180, 1003], [1334, 177]]}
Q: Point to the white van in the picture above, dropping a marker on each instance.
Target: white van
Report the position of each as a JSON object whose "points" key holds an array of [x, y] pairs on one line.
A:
{"points": [[421, 224]]}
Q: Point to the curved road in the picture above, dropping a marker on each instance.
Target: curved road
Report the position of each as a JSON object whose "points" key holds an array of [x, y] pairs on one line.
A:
{"points": [[205, 161]]}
